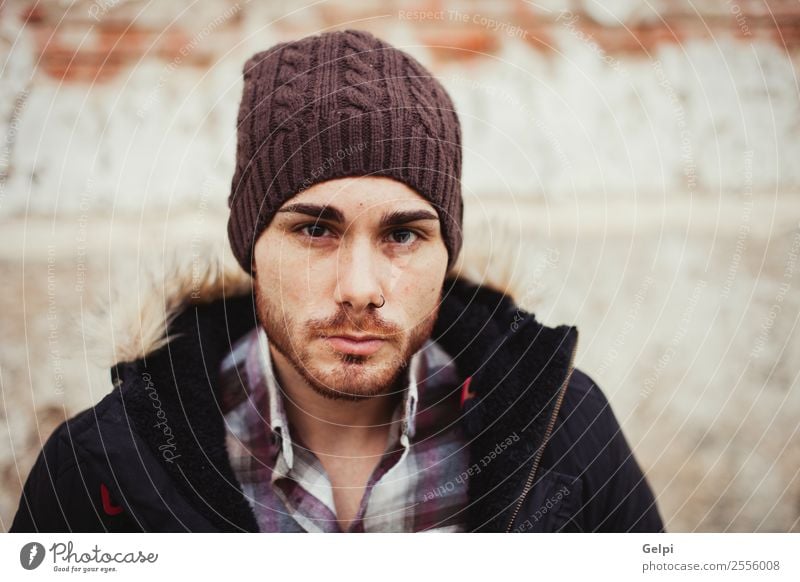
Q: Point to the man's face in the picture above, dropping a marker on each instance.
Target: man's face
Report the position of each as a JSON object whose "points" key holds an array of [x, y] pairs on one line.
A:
{"points": [[321, 267]]}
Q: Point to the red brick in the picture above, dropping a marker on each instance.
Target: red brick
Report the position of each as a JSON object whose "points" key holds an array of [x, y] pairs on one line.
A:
{"points": [[459, 44]]}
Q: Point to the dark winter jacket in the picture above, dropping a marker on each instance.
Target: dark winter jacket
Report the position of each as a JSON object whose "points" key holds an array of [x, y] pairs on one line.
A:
{"points": [[151, 455]]}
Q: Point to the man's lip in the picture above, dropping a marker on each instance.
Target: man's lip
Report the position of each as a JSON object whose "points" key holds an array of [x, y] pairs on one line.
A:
{"points": [[357, 338], [363, 346]]}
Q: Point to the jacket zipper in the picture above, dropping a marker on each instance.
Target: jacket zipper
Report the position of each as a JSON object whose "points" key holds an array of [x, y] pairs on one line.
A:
{"points": [[549, 429]]}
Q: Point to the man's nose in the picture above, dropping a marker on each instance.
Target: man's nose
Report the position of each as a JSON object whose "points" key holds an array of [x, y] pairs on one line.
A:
{"points": [[358, 279]]}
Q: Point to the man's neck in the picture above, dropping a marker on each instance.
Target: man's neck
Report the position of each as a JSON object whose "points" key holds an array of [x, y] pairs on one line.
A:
{"points": [[334, 426]]}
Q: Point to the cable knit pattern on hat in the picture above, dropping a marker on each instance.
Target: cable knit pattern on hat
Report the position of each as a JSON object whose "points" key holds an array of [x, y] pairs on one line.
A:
{"points": [[341, 104], [291, 96], [361, 91]]}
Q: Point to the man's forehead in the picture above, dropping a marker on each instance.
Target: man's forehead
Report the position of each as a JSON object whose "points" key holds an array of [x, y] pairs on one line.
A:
{"points": [[351, 197]]}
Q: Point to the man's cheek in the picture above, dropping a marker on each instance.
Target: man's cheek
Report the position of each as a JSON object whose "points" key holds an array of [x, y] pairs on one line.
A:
{"points": [[288, 289], [420, 300]]}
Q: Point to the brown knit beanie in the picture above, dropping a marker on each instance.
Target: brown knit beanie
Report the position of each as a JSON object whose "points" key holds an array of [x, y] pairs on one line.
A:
{"points": [[341, 104]]}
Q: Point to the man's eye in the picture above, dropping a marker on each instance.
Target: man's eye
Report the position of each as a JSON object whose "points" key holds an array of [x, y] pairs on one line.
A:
{"points": [[405, 239], [315, 228]]}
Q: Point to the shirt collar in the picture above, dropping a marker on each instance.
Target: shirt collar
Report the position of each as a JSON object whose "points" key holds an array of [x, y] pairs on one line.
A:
{"points": [[260, 372]]}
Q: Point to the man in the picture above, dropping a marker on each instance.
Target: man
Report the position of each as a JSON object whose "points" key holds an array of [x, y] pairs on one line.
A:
{"points": [[358, 382]]}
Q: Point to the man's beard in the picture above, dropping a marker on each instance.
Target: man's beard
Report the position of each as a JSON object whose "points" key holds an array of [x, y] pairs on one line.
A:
{"points": [[353, 377]]}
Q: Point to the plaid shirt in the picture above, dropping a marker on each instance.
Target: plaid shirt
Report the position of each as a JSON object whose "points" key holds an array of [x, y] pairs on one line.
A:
{"points": [[420, 485]]}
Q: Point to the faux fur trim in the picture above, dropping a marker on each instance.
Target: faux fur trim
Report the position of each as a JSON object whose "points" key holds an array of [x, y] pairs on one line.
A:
{"points": [[130, 321]]}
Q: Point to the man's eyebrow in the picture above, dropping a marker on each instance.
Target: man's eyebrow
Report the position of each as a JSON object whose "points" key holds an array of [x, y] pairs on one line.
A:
{"points": [[398, 217], [392, 218], [316, 211]]}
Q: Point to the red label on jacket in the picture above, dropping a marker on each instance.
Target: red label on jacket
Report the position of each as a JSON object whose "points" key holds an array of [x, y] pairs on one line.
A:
{"points": [[108, 507], [465, 392]]}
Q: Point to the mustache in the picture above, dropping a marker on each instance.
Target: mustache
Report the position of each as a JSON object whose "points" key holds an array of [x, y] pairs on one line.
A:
{"points": [[344, 323]]}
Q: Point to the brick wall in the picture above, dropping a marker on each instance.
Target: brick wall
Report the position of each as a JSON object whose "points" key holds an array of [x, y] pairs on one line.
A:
{"points": [[136, 101], [646, 152]]}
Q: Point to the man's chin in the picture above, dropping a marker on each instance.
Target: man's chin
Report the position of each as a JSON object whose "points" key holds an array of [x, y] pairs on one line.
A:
{"points": [[349, 389], [348, 377]]}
